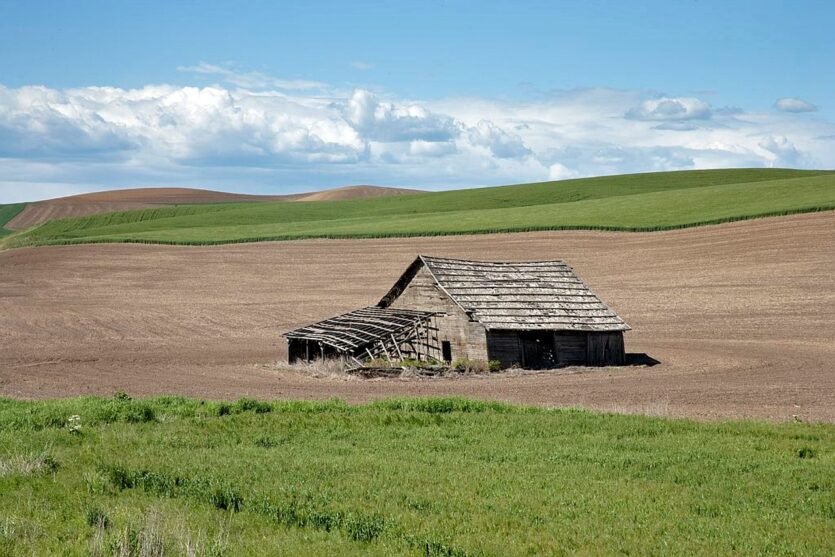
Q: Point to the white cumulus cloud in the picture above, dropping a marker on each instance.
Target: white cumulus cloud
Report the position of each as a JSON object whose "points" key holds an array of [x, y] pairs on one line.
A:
{"points": [[501, 143], [268, 134]]}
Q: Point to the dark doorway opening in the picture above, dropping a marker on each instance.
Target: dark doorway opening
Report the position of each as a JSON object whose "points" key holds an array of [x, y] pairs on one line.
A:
{"points": [[537, 349], [446, 349]]}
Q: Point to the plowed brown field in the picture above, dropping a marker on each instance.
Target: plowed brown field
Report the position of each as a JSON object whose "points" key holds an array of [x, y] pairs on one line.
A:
{"points": [[741, 316]]}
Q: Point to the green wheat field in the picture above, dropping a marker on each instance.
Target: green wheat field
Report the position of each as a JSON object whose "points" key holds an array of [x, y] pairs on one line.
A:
{"points": [[633, 202]]}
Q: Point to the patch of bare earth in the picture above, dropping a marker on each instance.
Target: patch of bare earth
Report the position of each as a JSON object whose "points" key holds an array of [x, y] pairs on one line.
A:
{"points": [[741, 316]]}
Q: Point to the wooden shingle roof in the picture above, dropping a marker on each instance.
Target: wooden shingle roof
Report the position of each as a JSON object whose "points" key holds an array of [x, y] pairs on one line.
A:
{"points": [[530, 295]]}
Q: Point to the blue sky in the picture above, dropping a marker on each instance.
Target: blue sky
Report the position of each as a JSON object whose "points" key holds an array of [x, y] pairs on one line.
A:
{"points": [[277, 97]]}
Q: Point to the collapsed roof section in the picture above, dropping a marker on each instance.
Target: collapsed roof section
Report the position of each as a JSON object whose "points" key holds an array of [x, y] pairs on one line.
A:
{"points": [[355, 331]]}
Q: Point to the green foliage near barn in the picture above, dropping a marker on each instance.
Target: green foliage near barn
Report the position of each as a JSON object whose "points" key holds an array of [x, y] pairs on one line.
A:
{"points": [[94, 476]]}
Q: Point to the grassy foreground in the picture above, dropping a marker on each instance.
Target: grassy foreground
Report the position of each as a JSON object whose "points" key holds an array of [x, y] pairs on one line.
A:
{"points": [[422, 476], [655, 201], [7, 213]]}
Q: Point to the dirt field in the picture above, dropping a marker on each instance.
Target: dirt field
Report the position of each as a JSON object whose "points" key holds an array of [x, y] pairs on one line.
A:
{"points": [[144, 198], [742, 317]]}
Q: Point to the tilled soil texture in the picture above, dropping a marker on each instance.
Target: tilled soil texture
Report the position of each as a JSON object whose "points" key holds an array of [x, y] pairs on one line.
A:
{"points": [[741, 317]]}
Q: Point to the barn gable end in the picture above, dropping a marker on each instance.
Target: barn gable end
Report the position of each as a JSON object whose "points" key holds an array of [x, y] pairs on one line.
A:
{"points": [[464, 334]]}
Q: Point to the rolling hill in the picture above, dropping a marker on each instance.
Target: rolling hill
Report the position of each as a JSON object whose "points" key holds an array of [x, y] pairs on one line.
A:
{"points": [[654, 201], [39, 212]]}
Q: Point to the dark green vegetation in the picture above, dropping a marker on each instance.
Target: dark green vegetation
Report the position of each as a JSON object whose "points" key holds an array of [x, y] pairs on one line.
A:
{"points": [[421, 477], [7, 213], [630, 202]]}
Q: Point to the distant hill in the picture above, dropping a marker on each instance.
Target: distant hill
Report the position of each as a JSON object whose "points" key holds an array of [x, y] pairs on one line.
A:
{"points": [[629, 202], [353, 192], [145, 198]]}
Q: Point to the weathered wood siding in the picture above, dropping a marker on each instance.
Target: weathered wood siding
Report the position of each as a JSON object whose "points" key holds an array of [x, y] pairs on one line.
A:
{"points": [[570, 348], [605, 349], [504, 346], [466, 336]]}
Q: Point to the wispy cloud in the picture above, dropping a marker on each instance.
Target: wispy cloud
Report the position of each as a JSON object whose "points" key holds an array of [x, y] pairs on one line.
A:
{"points": [[671, 109], [250, 80], [256, 132], [793, 104], [361, 65]]}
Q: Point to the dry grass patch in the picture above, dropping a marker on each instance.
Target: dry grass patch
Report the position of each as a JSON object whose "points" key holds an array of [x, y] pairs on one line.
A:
{"points": [[28, 463]]}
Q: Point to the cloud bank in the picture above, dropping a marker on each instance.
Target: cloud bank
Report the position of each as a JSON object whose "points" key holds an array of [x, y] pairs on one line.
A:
{"points": [[253, 132]]}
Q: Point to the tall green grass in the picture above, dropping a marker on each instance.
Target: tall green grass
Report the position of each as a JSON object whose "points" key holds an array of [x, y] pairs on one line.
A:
{"points": [[412, 476], [656, 201]]}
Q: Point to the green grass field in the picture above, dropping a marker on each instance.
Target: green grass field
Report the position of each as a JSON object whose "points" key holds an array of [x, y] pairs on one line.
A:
{"points": [[655, 201], [7, 213], [422, 476]]}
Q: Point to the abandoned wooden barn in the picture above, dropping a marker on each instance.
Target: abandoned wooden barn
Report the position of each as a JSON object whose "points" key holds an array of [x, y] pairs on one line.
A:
{"points": [[531, 314]]}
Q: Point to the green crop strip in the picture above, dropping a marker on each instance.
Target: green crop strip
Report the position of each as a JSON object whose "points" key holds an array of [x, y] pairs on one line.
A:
{"points": [[639, 202]]}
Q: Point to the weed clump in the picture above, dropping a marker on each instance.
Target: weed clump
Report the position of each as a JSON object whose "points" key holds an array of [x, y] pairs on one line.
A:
{"points": [[96, 517], [266, 443], [465, 365], [806, 452], [251, 405], [28, 464]]}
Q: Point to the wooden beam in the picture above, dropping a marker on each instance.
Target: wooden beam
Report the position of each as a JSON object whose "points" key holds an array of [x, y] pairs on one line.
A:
{"points": [[397, 347], [386, 352]]}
